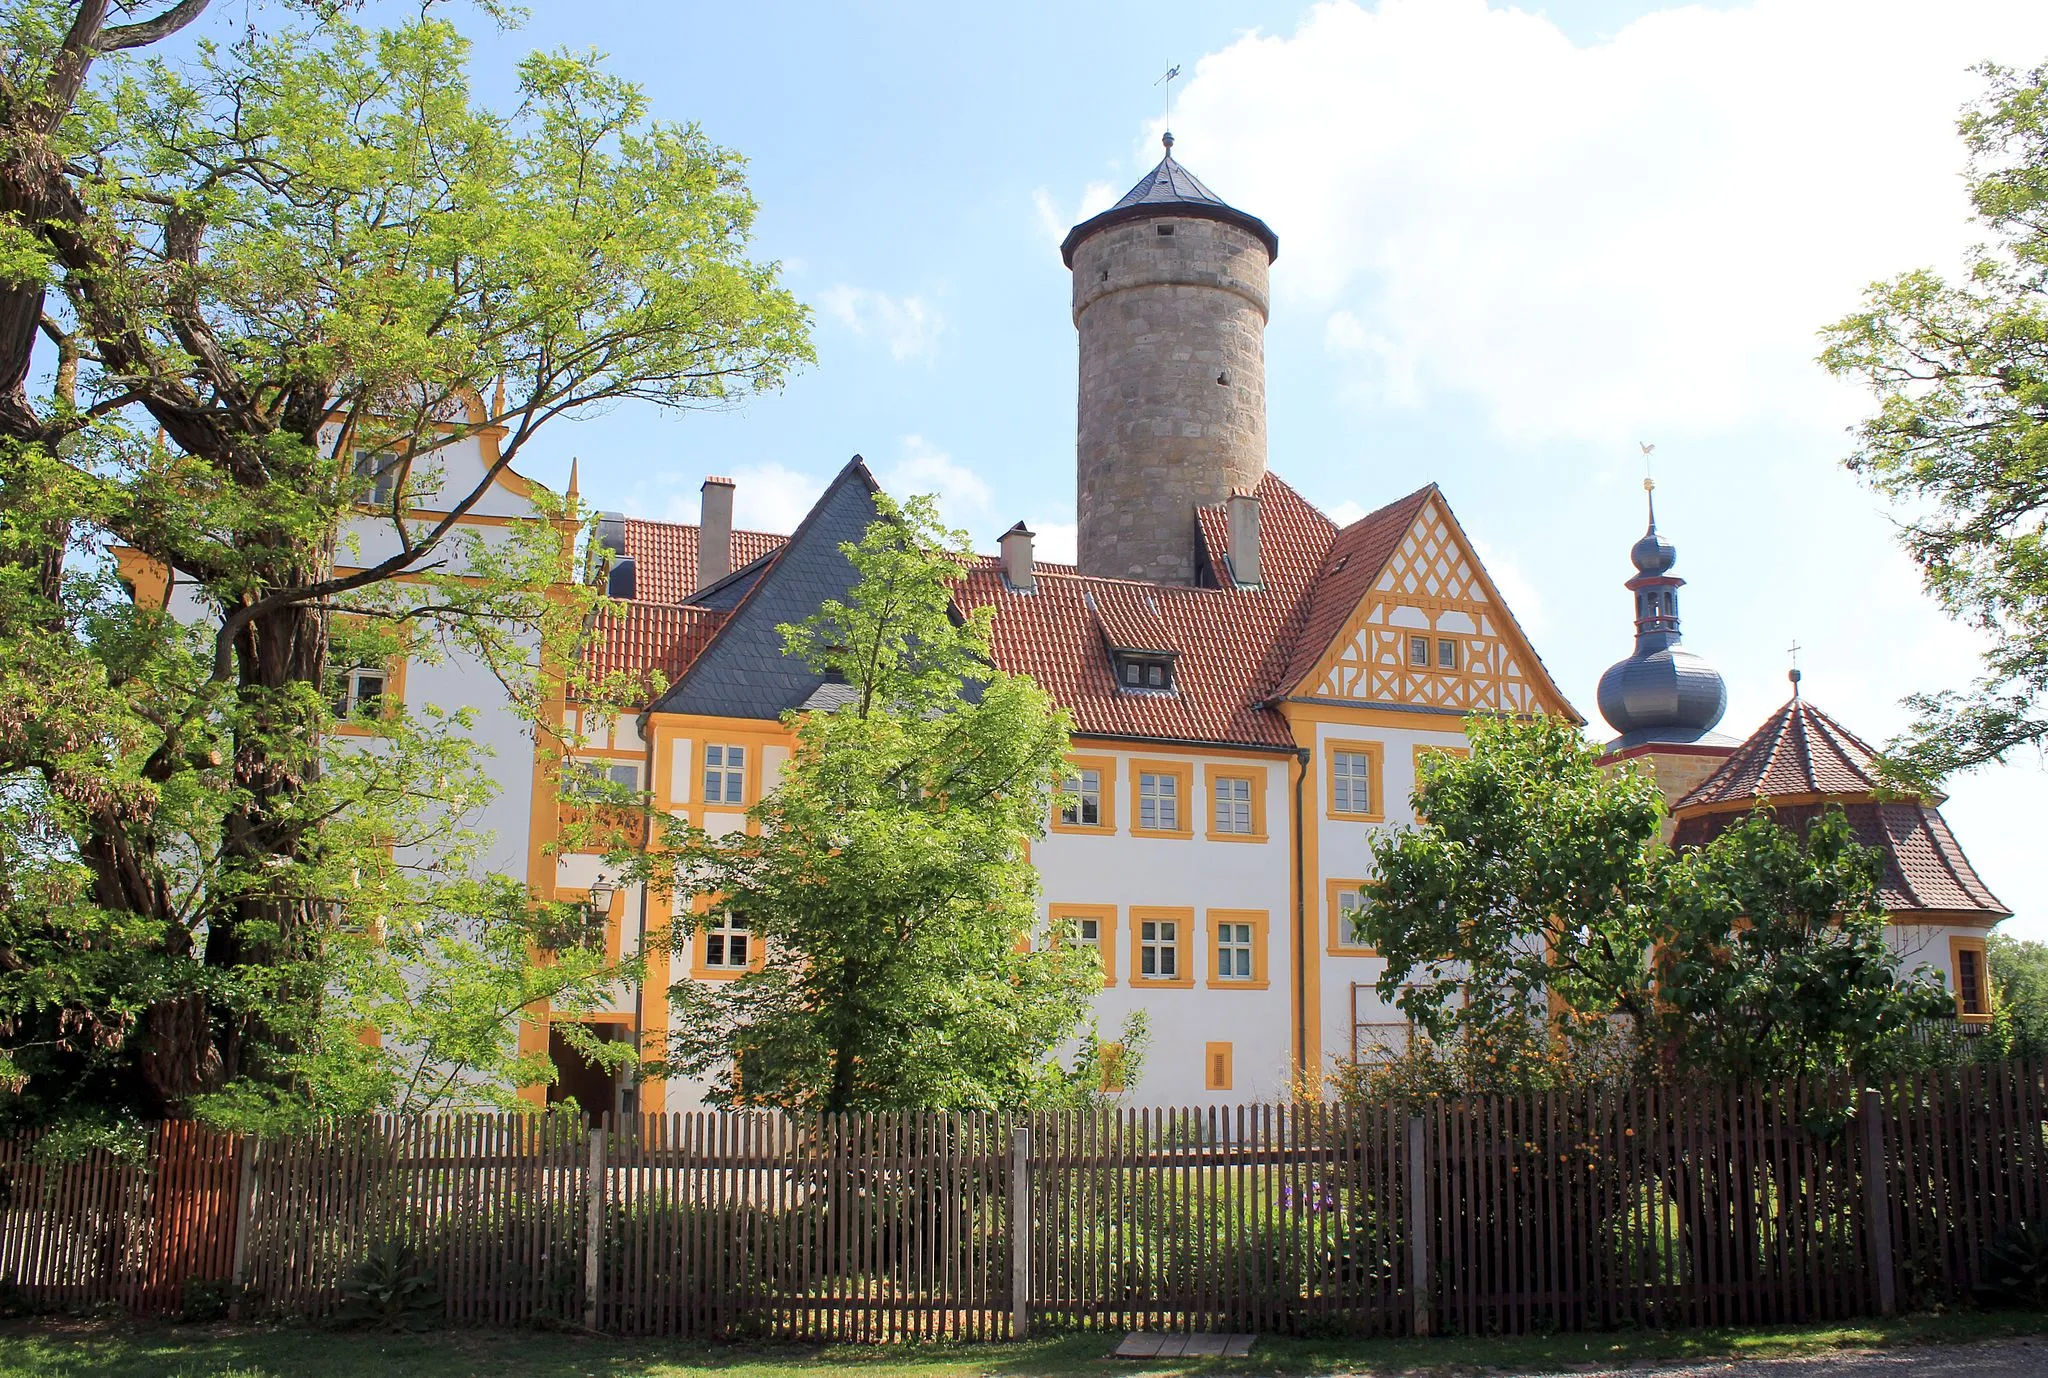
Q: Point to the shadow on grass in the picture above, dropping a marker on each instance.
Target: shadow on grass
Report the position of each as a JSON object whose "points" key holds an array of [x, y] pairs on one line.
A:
{"points": [[57, 1349]]}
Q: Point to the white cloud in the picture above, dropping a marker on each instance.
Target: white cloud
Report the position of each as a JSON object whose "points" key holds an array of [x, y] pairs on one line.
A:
{"points": [[766, 497], [963, 498], [1592, 241], [1056, 542], [1344, 513], [908, 325], [1054, 220]]}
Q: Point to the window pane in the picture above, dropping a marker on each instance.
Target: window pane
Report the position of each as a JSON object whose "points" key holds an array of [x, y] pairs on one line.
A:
{"points": [[738, 949], [714, 949], [1447, 655], [1418, 650]]}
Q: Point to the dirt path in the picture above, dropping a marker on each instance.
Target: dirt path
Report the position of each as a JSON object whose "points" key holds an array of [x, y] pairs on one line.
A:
{"points": [[2022, 1358]]}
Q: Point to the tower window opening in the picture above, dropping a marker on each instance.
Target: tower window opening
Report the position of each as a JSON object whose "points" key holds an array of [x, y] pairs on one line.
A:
{"points": [[1165, 229], [1223, 378]]}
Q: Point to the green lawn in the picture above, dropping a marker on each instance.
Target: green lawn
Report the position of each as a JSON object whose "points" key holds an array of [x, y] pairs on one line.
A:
{"points": [[78, 1349]]}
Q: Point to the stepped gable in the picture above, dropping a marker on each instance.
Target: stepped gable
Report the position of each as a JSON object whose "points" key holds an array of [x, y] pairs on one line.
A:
{"points": [[1231, 647], [1806, 758], [742, 671], [664, 556], [649, 636]]}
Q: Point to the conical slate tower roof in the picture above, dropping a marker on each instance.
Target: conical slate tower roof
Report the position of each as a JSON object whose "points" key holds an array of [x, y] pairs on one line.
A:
{"points": [[1802, 762], [1170, 189]]}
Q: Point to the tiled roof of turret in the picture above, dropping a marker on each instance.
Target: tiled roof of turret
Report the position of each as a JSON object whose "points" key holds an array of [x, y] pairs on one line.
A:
{"points": [[1799, 751]]}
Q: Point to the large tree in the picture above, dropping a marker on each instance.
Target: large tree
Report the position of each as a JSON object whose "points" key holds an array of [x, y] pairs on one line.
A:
{"points": [[1960, 435], [1534, 907], [890, 882], [247, 287]]}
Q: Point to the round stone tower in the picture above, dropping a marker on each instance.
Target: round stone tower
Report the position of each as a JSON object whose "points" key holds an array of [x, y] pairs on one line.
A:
{"points": [[1170, 299]]}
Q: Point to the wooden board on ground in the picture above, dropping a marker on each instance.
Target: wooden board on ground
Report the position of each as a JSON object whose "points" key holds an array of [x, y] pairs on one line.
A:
{"points": [[1154, 1344]]}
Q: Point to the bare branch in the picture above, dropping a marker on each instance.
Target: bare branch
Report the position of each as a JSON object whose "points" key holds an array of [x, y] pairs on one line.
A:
{"points": [[148, 31]]}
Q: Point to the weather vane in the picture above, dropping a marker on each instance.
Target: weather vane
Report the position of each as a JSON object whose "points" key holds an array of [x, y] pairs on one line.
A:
{"points": [[1793, 674], [1167, 82], [1649, 484]]}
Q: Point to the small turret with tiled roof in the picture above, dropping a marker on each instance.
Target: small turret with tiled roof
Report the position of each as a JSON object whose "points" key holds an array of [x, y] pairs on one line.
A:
{"points": [[1802, 762]]}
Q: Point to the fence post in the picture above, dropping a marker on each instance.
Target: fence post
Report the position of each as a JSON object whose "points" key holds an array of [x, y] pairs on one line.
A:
{"points": [[245, 1212], [1877, 1200], [1020, 1233], [1418, 1229], [593, 1230]]}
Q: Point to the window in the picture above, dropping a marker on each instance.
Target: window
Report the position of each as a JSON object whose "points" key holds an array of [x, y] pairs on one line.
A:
{"points": [[1237, 949], [590, 778], [1159, 950], [725, 774], [1086, 799], [1081, 799], [1446, 654], [1158, 802], [1354, 771], [1351, 782], [1347, 903], [1142, 671], [1094, 925], [726, 942], [1160, 947], [362, 691], [1973, 992], [1216, 1069], [1233, 795], [1418, 651], [376, 478], [1233, 952]]}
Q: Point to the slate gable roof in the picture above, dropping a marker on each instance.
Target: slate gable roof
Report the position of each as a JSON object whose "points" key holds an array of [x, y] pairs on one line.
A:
{"points": [[742, 671]]}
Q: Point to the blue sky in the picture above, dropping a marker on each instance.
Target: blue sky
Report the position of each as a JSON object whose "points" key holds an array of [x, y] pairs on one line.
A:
{"points": [[1513, 244]]}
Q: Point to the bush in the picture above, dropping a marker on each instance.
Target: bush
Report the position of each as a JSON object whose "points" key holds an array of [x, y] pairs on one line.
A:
{"points": [[2012, 1268], [391, 1289], [205, 1299]]}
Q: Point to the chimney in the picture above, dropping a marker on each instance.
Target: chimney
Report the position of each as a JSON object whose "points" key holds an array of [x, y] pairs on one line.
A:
{"points": [[1017, 559], [714, 533], [1244, 539]]}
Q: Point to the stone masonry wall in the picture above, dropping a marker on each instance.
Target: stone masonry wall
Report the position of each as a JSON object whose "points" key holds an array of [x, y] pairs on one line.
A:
{"points": [[1162, 318]]}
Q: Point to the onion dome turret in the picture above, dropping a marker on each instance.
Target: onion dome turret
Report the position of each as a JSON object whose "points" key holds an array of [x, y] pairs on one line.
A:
{"points": [[1662, 693]]}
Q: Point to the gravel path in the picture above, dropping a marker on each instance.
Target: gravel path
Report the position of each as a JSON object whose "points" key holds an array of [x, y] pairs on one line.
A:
{"points": [[2022, 1358]]}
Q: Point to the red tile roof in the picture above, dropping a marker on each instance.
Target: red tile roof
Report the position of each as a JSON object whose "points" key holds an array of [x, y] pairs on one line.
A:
{"points": [[649, 636], [1925, 872], [1799, 750], [664, 556], [1234, 647]]}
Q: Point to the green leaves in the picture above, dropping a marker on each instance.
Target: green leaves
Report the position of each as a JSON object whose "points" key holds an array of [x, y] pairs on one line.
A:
{"points": [[890, 883], [1960, 435], [1537, 891]]}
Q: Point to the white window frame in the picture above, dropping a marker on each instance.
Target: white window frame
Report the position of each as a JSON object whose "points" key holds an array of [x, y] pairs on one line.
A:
{"points": [[1346, 784], [1233, 804], [721, 932], [1159, 807], [725, 773], [1077, 798], [1159, 949], [1236, 954], [353, 699]]}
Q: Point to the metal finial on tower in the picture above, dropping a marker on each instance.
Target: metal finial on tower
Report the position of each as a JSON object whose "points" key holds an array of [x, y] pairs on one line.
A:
{"points": [[1167, 82], [1793, 673]]}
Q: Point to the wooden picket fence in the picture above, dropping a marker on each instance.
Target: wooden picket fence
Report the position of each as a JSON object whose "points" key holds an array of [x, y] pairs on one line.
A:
{"points": [[1743, 1205]]}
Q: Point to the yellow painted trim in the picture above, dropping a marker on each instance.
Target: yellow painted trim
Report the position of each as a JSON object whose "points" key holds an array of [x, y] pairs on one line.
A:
{"points": [[1216, 1066], [1376, 779], [757, 953], [1059, 915], [1184, 918], [1184, 771], [148, 577], [1105, 767], [1339, 938], [1261, 923], [1956, 947], [1257, 776]]}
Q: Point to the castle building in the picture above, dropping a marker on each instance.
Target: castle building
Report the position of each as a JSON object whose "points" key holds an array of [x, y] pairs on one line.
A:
{"points": [[1665, 702], [1252, 685]]}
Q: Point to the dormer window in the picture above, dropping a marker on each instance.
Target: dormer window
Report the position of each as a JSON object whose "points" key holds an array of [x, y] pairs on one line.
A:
{"points": [[1148, 671]]}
